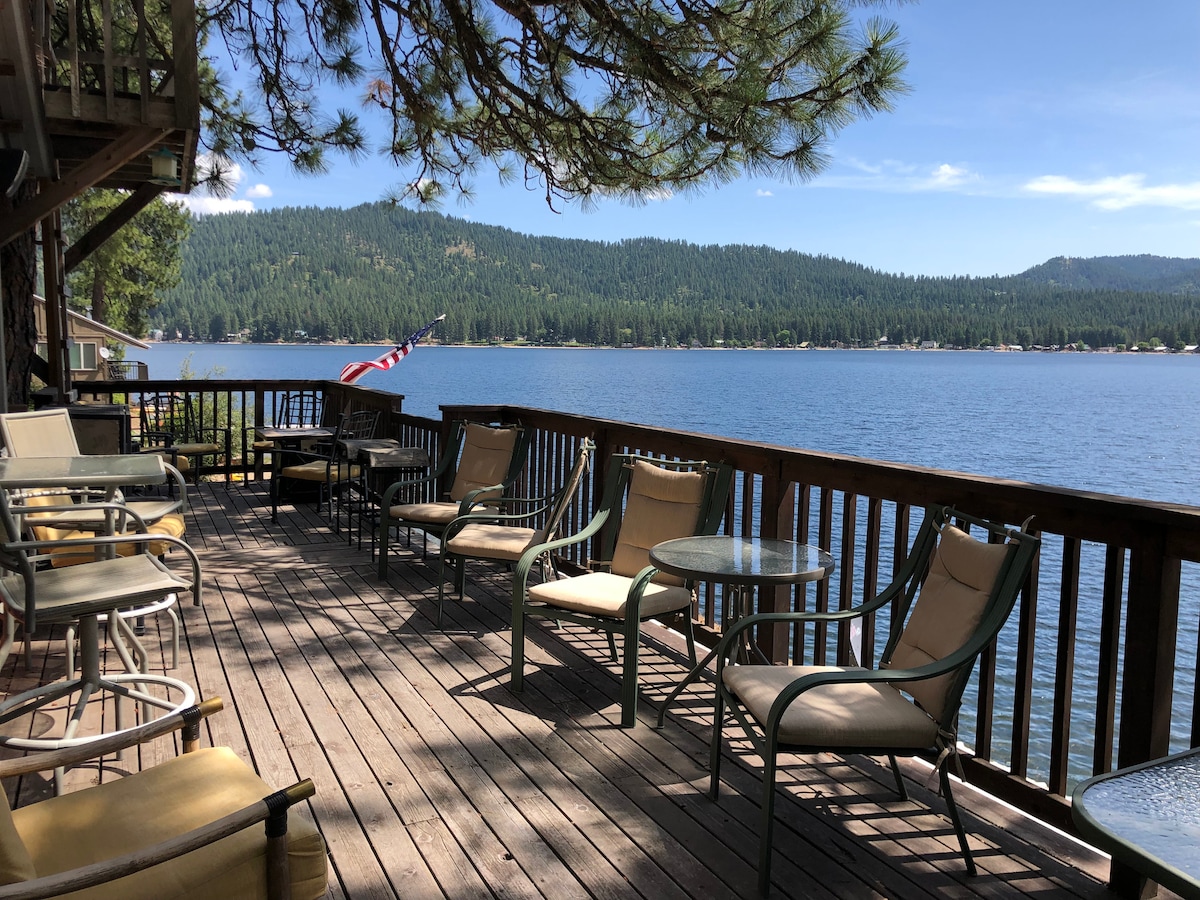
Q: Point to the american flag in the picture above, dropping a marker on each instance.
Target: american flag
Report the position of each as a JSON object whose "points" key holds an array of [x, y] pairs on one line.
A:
{"points": [[355, 371]]}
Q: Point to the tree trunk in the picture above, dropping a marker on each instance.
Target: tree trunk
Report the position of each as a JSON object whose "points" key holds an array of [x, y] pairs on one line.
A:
{"points": [[18, 281], [99, 300]]}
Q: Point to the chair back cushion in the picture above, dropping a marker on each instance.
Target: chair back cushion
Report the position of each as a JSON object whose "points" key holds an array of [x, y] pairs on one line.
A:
{"points": [[486, 456], [961, 577], [663, 504], [16, 865]]}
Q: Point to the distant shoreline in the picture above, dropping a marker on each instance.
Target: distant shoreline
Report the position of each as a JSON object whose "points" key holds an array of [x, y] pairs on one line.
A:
{"points": [[514, 346]]}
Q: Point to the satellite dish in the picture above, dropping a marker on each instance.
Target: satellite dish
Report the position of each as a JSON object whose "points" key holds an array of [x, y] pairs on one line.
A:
{"points": [[105, 353]]}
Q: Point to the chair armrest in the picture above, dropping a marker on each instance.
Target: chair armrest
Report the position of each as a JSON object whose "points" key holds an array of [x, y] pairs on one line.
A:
{"points": [[392, 489], [276, 804], [531, 556], [46, 760], [537, 505]]}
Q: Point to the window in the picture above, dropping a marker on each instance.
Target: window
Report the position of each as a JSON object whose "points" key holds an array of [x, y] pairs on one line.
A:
{"points": [[84, 355]]}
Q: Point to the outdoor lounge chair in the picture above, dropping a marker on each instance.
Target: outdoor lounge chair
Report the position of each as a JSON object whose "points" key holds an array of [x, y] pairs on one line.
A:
{"points": [[909, 705], [199, 826], [481, 462], [325, 464], [666, 500], [504, 537]]}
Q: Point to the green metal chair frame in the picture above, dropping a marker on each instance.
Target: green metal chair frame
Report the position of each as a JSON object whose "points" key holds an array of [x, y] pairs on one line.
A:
{"points": [[169, 424], [1022, 548], [606, 525], [444, 474], [529, 517]]}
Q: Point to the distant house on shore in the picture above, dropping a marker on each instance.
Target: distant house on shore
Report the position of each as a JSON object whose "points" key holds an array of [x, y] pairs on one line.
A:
{"points": [[86, 343]]}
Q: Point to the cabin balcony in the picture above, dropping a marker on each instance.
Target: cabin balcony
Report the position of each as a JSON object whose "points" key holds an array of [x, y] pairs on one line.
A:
{"points": [[433, 779]]}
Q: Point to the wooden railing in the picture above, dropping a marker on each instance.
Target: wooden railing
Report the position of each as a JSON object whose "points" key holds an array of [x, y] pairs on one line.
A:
{"points": [[1085, 678]]}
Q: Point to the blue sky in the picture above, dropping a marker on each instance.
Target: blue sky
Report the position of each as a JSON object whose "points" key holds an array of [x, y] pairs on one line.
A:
{"points": [[1034, 129]]}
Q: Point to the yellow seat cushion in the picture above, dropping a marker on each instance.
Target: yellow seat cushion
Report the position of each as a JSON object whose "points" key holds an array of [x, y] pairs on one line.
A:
{"points": [[171, 524], [178, 460], [320, 470], [137, 811]]}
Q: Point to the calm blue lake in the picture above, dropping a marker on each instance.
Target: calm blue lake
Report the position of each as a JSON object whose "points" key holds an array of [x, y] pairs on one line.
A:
{"points": [[1122, 424]]}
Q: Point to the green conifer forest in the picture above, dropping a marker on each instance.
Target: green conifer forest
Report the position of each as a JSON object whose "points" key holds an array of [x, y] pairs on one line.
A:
{"points": [[377, 272]]}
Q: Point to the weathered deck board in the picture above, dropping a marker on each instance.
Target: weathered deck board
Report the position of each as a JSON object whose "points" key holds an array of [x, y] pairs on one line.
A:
{"points": [[433, 779]]}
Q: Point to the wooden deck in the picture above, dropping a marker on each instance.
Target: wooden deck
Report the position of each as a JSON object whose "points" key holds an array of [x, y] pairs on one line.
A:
{"points": [[433, 779]]}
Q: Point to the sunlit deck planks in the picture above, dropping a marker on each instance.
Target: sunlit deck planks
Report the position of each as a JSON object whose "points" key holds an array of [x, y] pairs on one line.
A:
{"points": [[434, 780]]}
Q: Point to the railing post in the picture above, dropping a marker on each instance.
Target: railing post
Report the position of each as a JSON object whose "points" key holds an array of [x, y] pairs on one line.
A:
{"points": [[1148, 681], [777, 517]]}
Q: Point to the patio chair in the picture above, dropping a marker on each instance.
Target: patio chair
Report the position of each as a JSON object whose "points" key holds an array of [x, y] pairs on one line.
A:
{"points": [[293, 409], [200, 825], [504, 537], [34, 595], [964, 590], [324, 464], [481, 462], [666, 500], [170, 425]]}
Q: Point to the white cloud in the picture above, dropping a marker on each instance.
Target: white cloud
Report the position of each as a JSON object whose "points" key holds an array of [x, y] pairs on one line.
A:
{"points": [[1119, 192], [894, 176], [259, 190], [762, 193], [201, 205]]}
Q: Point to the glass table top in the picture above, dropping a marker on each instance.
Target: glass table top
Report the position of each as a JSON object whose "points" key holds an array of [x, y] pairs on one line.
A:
{"points": [[81, 471], [742, 560], [1148, 816]]}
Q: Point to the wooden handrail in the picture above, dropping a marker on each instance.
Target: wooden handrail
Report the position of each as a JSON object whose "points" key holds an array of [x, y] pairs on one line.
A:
{"points": [[1121, 558]]}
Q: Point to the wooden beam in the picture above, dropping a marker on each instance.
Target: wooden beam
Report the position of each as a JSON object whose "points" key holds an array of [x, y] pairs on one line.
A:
{"points": [[108, 226], [100, 166]]}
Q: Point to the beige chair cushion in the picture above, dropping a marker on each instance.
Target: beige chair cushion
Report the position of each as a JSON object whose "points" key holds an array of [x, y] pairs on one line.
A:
{"points": [[662, 505], [15, 862], [486, 456], [320, 470], [606, 594], [425, 513], [506, 542], [854, 716], [137, 811], [961, 577]]}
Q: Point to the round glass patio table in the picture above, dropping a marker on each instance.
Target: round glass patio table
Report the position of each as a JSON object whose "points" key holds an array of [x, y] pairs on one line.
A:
{"points": [[742, 562]]}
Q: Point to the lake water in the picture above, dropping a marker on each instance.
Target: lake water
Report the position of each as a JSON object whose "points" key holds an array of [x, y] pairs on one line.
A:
{"points": [[1118, 423], [1115, 423]]}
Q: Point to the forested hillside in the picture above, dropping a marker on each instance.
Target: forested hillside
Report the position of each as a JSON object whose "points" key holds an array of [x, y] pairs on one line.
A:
{"points": [[377, 272]]}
